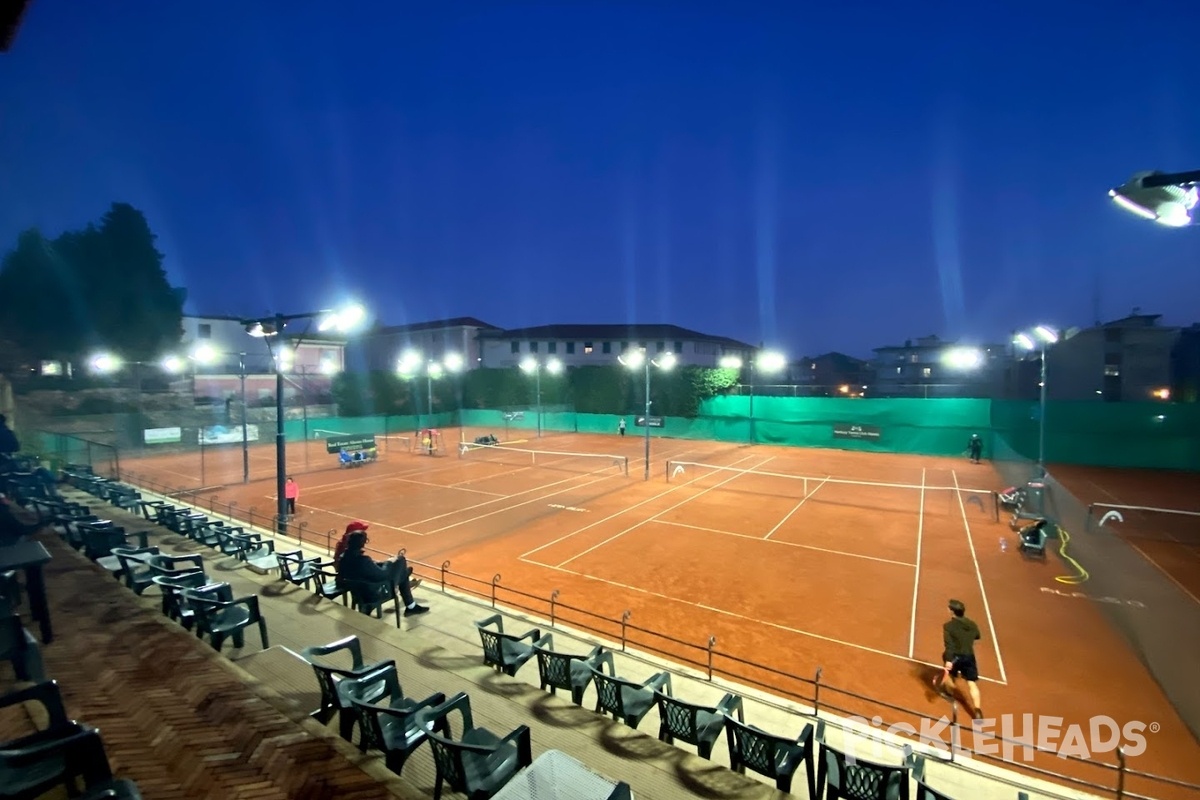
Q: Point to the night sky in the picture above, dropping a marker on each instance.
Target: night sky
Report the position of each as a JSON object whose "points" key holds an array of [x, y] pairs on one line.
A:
{"points": [[816, 176]]}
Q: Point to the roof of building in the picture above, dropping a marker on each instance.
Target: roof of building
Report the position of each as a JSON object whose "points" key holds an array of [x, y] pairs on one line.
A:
{"points": [[930, 343], [604, 332], [835, 356], [432, 325]]}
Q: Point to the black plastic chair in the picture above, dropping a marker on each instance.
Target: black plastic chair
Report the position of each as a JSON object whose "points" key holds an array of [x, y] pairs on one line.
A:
{"points": [[699, 726], [221, 616], [390, 723], [841, 778], [507, 652], [480, 763], [567, 671], [366, 680], [769, 755], [628, 701], [20, 647], [925, 793]]}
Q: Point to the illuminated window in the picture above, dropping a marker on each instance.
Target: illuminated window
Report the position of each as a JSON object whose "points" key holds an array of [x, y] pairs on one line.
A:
{"points": [[1112, 371], [926, 372], [587, 348]]}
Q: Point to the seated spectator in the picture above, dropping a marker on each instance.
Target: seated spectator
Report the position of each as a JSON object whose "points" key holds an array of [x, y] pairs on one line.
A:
{"points": [[15, 522], [355, 565]]}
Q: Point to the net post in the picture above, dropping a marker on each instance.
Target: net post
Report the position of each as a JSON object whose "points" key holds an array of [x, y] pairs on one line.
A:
{"points": [[668, 472]]}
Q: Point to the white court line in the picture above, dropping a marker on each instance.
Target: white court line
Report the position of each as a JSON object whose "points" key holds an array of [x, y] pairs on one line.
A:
{"points": [[978, 574], [625, 510], [787, 544], [355, 516], [515, 505], [744, 618], [803, 500], [912, 628], [444, 486], [1156, 565], [635, 526]]}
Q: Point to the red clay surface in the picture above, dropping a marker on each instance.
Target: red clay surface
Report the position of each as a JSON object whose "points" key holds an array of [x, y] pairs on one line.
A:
{"points": [[788, 575]]}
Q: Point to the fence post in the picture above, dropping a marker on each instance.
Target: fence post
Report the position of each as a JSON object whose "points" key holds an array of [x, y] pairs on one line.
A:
{"points": [[329, 540], [445, 566], [953, 729], [300, 531], [624, 621], [232, 505], [212, 504], [251, 513], [817, 692], [712, 641], [495, 581], [553, 599], [1120, 773]]}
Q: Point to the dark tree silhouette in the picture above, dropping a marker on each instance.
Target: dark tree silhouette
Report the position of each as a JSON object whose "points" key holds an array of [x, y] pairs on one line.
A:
{"points": [[100, 287]]}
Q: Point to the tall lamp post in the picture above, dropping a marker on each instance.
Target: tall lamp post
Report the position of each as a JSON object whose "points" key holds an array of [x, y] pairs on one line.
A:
{"points": [[412, 363], [1166, 198], [1040, 338], [765, 362], [531, 364], [266, 328], [636, 360], [206, 354]]}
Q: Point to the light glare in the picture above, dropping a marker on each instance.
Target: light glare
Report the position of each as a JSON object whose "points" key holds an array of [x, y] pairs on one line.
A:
{"points": [[730, 362], [634, 359], [104, 363], [172, 364], [453, 361], [771, 361], [963, 358]]}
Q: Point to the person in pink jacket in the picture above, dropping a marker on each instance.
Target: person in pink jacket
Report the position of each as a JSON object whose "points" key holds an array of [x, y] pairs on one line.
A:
{"points": [[291, 491]]}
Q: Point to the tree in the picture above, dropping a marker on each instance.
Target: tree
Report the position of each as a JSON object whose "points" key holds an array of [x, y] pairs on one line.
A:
{"points": [[100, 287]]}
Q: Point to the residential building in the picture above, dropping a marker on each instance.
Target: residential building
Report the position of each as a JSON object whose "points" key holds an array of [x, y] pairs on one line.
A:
{"points": [[380, 349], [1128, 359], [1185, 366], [588, 345], [311, 359], [928, 367], [831, 375]]}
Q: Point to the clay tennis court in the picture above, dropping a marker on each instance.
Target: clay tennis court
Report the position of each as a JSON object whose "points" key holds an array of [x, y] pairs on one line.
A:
{"points": [[788, 574]]}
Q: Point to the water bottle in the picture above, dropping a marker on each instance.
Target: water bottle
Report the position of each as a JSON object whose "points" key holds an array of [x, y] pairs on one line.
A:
{"points": [[1003, 545]]}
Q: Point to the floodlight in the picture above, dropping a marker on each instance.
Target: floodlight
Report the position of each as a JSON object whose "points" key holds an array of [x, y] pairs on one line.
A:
{"points": [[453, 361], [634, 360], [1046, 334], [260, 330], [435, 369], [204, 353], [342, 320], [104, 363], [554, 366], [328, 367], [172, 364], [771, 361], [1170, 204], [963, 358], [730, 362], [665, 361], [410, 361], [1024, 340], [529, 364]]}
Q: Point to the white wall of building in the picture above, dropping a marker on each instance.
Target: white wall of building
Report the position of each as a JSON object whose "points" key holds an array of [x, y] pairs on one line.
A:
{"points": [[501, 352]]}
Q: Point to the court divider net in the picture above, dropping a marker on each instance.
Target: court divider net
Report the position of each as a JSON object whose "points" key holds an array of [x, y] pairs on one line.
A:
{"points": [[586, 463]]}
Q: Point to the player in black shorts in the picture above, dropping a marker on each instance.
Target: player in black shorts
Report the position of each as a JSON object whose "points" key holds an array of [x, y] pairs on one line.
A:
{"points": [[959, 635]]}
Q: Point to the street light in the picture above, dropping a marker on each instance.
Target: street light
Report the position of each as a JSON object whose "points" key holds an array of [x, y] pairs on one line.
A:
{"points": [[1040, 338], [342, 320], [767, 361], [639, 360], [412, 363], [104, 363], [531, 364], [206, 354], [1168, 199]]}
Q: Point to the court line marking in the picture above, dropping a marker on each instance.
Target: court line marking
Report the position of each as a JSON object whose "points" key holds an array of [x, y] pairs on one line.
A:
{"points": [[355, 516], [987, 609], [454, 488], [625, 510], [744, 618], [682, 502], [783, 543], [788, 516], [912, 627], [515, 505], [539, 488], [1159, 567]]}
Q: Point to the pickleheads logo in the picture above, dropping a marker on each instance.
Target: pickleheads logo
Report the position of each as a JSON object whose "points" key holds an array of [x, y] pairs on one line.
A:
{"points": [[1012, 737]]}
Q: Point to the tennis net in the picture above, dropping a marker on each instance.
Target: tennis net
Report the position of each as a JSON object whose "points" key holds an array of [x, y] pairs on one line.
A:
{"points": [[1146, 522], [586, 463], [874, 495]]}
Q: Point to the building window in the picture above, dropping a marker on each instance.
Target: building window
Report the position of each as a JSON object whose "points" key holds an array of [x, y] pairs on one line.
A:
{"points": [[204, 331], [570, 348], [898, 369], [515, 347], [914, 358], [551, 347], [587, 348], [1112, 371], [660, 347], [533, 347], [679, 348], [606, 347], [624, 346], [926, 372]]}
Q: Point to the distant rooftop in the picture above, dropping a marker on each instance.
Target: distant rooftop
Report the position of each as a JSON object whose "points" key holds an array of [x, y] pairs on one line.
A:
{"points": [[606, 332]]}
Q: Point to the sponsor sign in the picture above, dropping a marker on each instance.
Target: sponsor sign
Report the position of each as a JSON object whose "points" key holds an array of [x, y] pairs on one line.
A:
{"points": [[162, 435], [648, 422], [512, 416], [227, 434], [846, 430], [335, 444]]}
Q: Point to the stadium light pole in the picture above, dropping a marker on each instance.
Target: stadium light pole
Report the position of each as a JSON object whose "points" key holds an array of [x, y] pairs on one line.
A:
{"points": [[639, 360], [412, 362], [343, 320], [532, 365], [1166, 198], [767, 362], [1040, 338], [206, 354]]}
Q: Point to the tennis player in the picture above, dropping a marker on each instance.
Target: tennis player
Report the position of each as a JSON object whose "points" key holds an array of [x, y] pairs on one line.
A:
{"points": [[959, 635], [291, 492]]}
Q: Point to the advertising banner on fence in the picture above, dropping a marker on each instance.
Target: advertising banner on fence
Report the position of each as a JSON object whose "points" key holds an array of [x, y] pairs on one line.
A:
{"points": [[513, 416], [654, 422], [162, 435], [844, 430], [227, 434], [335, 444]]}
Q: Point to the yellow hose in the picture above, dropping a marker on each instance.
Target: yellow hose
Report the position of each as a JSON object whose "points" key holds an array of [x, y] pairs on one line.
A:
{"points": [[1071, 580]]}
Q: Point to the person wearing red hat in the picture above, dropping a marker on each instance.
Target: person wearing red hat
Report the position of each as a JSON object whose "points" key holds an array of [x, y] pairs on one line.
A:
{"points": [[354, 565]]}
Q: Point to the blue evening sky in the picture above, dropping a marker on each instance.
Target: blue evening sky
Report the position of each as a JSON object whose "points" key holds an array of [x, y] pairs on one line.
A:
{"points": [[818, 176]]}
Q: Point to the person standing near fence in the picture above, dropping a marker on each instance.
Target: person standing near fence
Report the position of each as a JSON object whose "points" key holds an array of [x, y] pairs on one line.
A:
{"points": [[621, 426], [9, 446], [975, 448], [291, 492], [959, 635]]}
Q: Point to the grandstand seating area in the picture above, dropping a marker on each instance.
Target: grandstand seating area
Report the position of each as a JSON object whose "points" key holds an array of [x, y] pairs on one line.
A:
{"points": [[150, 603]]}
